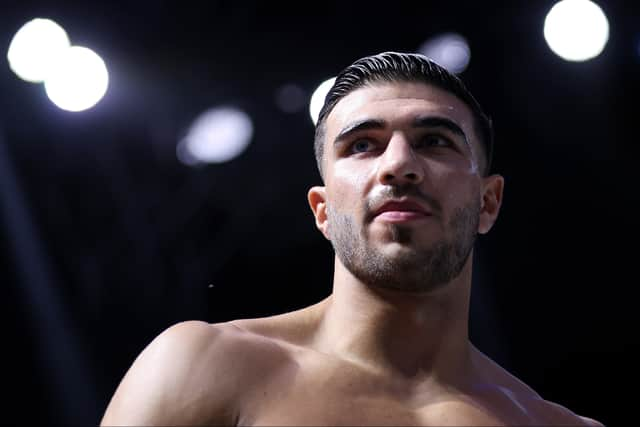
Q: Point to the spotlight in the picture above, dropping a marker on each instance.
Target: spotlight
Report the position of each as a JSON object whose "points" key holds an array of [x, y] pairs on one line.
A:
{"points": [[216, 136], [449, 50], [78, 80], [290, 98], [35, 48], [576, 30], [317, 99]]}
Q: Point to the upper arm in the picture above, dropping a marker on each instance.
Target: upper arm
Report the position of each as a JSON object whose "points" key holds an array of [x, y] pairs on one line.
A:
{"points": [[181, 377], [591, 422], [552, 413]]}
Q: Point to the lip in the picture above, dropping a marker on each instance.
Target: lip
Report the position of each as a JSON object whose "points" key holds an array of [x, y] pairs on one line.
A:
{"points": [[401, 211]]}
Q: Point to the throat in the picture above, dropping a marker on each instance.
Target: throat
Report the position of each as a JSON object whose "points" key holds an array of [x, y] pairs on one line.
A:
{"points": [[394, 339]]}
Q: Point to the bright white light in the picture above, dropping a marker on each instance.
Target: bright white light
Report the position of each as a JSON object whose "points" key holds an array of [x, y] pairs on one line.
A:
{"points": [[449, 50], [576, 30], [317, 99], [78, 81], [216, 136], [35, 47]]}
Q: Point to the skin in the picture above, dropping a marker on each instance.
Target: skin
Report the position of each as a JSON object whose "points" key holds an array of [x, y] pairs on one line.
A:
{"points": [[389, 348]]}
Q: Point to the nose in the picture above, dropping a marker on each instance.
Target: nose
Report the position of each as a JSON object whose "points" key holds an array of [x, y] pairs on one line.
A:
{"points": [[399, 164]]}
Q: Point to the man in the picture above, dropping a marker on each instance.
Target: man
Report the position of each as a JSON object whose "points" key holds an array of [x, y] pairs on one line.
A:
{"points": [[404, 151]]}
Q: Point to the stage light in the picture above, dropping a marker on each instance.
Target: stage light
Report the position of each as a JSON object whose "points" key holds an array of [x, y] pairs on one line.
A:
{"points": [[317, 98], [449, 50], [216, 136], [290, 98], [576, 30], [78, 80], [35, 47]]}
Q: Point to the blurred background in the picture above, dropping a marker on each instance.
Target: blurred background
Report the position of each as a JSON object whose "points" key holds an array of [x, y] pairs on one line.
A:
{"points": [[176, 188]]}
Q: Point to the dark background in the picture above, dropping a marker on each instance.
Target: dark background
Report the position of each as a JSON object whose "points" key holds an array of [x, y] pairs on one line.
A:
{"points": [[106, 239]]}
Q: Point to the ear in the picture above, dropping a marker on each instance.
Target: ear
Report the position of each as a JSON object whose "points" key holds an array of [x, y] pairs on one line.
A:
{"points": [[318, 202], [491, 201]]}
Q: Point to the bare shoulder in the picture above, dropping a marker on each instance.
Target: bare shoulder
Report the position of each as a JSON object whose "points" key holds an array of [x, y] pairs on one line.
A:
{"points": [[491, 372], [192, 373], [544, 411], [294, 327], [551, 413]]}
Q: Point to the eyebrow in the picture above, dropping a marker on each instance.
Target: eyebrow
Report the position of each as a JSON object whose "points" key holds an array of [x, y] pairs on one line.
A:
{"points": [[418, 122], [442, 122], [358, 126]]}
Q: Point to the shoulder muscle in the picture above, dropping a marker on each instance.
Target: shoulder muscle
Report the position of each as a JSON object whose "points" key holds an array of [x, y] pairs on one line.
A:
{"points": [[556, 414], [181, 377]]}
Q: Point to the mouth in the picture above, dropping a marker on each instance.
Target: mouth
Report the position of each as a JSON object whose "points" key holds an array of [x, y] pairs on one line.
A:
{"points": [[399, 211]]}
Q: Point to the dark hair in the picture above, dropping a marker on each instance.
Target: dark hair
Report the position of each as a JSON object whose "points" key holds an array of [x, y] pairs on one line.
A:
{"points": [[401, 67]]}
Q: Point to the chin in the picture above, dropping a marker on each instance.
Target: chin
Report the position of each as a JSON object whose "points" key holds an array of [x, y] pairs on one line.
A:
{"points": [[403, 256], [394, 248]]}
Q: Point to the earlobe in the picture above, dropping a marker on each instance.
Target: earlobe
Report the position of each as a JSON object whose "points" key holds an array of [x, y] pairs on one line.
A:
{"points": [[493, 188], [317, 201]]}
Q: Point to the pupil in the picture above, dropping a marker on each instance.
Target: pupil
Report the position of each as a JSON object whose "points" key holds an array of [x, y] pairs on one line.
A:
{"points": [[361, 146]]}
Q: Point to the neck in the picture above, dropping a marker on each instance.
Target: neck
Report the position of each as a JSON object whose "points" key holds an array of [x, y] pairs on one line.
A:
{"points": [[397, 333]]}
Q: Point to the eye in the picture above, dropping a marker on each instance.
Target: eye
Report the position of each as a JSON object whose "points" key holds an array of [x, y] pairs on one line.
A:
{"points": [[433, 140], [362, 146]]}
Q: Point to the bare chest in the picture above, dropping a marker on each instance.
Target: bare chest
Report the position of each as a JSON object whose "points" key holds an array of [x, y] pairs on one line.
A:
{"points": [[311, 395]]}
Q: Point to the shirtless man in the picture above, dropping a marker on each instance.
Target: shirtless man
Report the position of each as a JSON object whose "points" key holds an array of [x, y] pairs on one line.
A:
{"points": [[404, 152]]}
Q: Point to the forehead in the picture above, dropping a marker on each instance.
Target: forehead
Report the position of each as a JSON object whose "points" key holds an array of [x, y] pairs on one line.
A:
{"points": [[398, 103]]}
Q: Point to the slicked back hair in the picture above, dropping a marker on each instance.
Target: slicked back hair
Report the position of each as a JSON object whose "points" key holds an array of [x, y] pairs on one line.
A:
{"points": [[401, 67]]}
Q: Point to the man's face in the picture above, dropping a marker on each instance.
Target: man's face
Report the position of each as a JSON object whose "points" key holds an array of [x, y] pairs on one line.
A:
{"points": [[403, 192]]}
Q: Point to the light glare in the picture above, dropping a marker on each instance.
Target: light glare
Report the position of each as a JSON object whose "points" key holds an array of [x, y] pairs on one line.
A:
{"points": [[448, 50], [216, 136], [317, 99], [576, 30], [35, 47], [78, 81]]}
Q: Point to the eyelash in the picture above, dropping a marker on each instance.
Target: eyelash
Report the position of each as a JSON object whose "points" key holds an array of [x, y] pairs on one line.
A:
{"points": [[420, 143], [447, 141]]}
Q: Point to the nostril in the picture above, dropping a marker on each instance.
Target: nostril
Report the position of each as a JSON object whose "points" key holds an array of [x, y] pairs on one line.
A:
{"points": [[411, 176]]}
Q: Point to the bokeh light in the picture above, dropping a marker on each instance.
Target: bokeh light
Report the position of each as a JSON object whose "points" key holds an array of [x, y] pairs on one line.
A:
{"points": [[78, 80], [290, 98], [317, 98], [450, 50], [35, 47], [576, 30], [216, 136]]}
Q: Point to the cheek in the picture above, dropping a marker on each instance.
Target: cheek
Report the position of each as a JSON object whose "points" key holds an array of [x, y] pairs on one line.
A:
{"points": [[461, 165], [346, 188], [457, 189]]}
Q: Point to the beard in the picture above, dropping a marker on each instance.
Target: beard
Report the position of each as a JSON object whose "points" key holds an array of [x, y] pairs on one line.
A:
{"points": [[415, 270]]}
